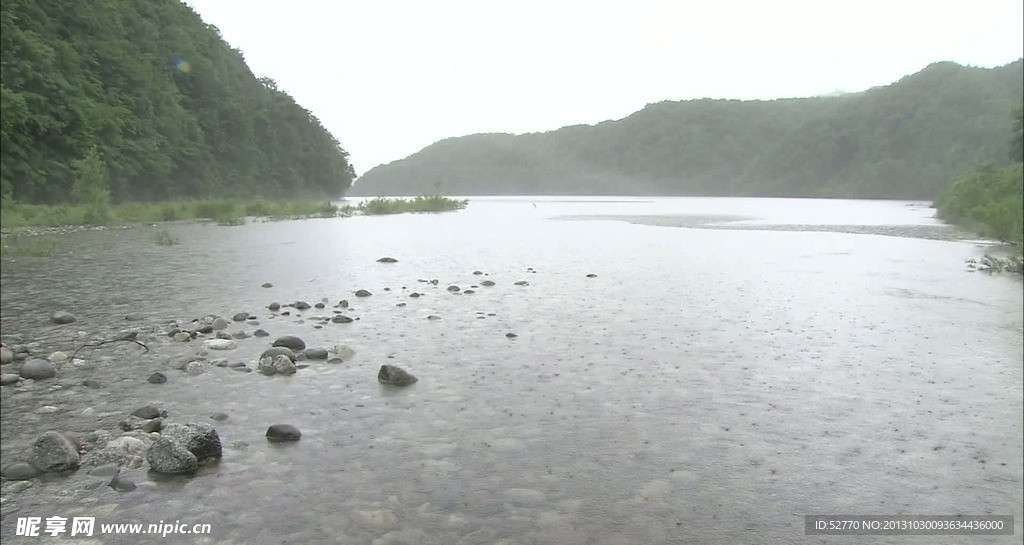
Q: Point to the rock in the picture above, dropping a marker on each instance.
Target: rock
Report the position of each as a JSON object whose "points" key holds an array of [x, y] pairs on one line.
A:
{"points": [[335, 361], [58, 357], [341, 319], [387, 260], [240, 317], [55, 452], [219, 417], [301, 356], [316, 353], [511, 335], [6, 355], [200, 439], [236, 364], [206, 329], [105, 470], [469, 292], [37, 369], [8, 379], [478, 273], [242, 369], [290, 341], [284, 365], [62, 317], [122, 484], [125, 451], [47, 409], [278, 351], [153, 425], [400, 304], [148, 412], [394, 375], [363, 293], [19, 471], [319, 305], [344, 303], [274, 306], [414, 295], [156, 378], [224, 335], [283, 432], [487, 283], [182, 336], [167, 456], [219, 323], [195, 368], [591, 275], [522, 283], [92, 383], [219, 362], [433, 317], [260, 333], [267, 285], [220, 344], [301, 305], [453, 288], [240, 335]]}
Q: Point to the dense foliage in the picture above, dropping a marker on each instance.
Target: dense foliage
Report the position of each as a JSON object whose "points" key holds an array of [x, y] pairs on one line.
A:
{"points": [[129, 100], [904, 140]]}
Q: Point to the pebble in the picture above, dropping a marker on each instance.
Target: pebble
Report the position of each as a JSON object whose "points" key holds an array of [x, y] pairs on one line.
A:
{"points": [[156, 378]]}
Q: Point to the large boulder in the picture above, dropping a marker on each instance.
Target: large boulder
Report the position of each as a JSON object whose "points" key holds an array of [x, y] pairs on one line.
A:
{"points": [[290, 341], [394, 375], [54, 451], [200, 439], [165, 455], [38, 369]]}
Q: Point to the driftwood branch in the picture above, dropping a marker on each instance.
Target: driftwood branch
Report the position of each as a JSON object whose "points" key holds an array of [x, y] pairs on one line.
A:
{"points": [[108, 341]]}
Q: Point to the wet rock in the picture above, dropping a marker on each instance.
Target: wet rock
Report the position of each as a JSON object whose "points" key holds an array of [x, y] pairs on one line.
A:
{"points": [[522, 283], [469, 292], [37, 369], [478, 273], [240, 317], [301, 305], [219, 324], [156, 378], [236, 364], [239, 335], [301, 356], [182, 336], [394, 375], [224, 335], [220, 344], [283, 432], [195, 368], [92, 383], [19, 471], [319, 305], [387, 260], [167, 456], [9, 379], [260, 333], [341, 319], [511, 335], [290, 341], [591, 275], [58, 357], [242, 369], [205, 329], [363, 293], [219, 417], [278, 351], [400, 304], [153, 425], [124, 451], [149, 412], [316, 353], [122, 484], [274, 306], [414, 295], [267, 285], [54, 451], [105, 470], [200, 439], [62, 317], [277, 365], [453, 288], [433, 317], [487, 283], [335, 361], [6, 355]]}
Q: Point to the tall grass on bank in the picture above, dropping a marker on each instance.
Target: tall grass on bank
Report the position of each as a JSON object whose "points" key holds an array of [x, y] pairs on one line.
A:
{"points": [[420, 204], [33, 246]]}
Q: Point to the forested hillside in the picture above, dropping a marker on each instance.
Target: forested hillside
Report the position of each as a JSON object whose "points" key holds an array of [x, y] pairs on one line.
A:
{"points": [[904, 140], [156, 95]]}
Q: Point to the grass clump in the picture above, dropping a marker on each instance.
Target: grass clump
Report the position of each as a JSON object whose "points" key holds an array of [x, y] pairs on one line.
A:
{"points": [[28, 246], [420, 204], [163, 237]]}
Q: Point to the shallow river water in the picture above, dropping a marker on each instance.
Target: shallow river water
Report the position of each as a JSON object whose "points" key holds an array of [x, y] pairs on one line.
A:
{"points": [[735, 365]]}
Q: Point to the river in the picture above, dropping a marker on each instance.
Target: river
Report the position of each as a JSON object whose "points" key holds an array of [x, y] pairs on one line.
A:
{"points": [[734, 365]]}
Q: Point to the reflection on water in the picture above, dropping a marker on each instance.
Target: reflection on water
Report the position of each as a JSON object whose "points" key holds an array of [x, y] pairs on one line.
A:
{"points": [[709, 385]]}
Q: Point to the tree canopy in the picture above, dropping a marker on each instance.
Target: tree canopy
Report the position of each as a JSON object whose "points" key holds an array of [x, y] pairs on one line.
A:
{"points": [[904, 140], [155, 102]]}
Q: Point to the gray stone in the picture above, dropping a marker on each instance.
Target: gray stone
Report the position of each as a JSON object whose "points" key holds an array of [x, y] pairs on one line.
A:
{"points": [[148, 412], [55, 452], [341, 319], [283, 432], [58, 357], [9, 379], [240, 335], [167, 456], [387, 260], [316, 353], [274, 306], [153, 425], [335, 361], [200, 439], [344, 303], [284, 365], [433, 317], [220, 344], [125, 451], [343, 351], [92, 383], [62, 317], [260, 333], [511, 335], [591, 275], [267, 285], [6, 355], [219, 417], [37, 369], [19, 471], [363, 293], [224, 335], [414, 295], [240, 317], [278, 351], [206, 329], [522, 283], [290, 341], [122, 484], [105, 470], [301, 305], [156, 378], [453, 288], [195, 368], [182, 336], [394, 375]]}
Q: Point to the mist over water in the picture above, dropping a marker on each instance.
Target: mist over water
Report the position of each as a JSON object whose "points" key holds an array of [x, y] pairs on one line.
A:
{"points": [[734, 365]]}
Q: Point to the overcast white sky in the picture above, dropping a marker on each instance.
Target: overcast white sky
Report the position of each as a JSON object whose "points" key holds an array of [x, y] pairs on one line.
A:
{"points": [[389, 78]]}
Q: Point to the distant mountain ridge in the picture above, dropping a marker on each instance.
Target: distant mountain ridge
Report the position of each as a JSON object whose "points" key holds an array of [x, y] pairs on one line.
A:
{"points": [[904, 140]]}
